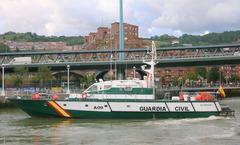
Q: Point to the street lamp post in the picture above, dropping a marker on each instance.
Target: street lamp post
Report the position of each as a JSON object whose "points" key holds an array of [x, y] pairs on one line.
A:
{"points": [[134, 72], [3, 88], [68, 68]]}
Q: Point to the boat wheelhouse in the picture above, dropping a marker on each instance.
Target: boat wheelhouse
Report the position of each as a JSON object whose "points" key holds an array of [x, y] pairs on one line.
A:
{"points": [[119, 89]]}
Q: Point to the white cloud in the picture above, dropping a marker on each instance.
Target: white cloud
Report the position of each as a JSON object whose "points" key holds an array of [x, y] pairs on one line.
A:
{"points": [[155, 17], [198, 16], [23, 15], [205, 33]]}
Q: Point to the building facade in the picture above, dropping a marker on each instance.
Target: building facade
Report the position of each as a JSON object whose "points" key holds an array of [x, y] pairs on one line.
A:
{"points": [[109, 37], [40, 46]]}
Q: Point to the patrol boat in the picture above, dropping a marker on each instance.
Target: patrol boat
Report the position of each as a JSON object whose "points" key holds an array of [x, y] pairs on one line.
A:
{"points": [[123, 99]]}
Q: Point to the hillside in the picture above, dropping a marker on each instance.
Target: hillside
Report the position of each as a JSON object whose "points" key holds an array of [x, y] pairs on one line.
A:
{"points": [[209, 39], [33, 37], [161, 41]]}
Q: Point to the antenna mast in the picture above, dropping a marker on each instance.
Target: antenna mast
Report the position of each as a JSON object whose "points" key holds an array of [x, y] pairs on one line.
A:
{"points": [[154, 57], [152, 63], [121, 41]]}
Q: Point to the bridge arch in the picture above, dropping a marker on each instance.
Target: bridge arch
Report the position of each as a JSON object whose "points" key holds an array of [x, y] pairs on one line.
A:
{"points": [[101, 74], [61, 78]]}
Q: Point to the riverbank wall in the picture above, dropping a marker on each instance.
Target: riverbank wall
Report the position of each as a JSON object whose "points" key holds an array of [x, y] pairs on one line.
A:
{"points": [[4, 103]]}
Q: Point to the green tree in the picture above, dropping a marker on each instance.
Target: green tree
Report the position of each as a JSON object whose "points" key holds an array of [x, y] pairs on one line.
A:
{"points": [[44, 76], [17, 81], [4, 48], [192, 76], [35, 81], [213, 74], [211, 38], [175, 81], [87, 80], [202, 72], [33, 37], [21, 74]]}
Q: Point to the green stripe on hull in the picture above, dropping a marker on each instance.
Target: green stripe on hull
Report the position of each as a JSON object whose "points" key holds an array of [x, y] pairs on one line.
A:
{"points": [[139, 115], [41, 108]]}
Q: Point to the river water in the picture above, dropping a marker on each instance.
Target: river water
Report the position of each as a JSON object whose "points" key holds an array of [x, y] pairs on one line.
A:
{"points": [[17, 128]]}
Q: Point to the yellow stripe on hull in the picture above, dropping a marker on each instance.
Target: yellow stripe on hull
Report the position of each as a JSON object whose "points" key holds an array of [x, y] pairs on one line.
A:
{"points": [[59, 109]]}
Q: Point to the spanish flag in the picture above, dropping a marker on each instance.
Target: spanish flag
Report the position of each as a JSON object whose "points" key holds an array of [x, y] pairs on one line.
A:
{"points": [[221, 91]]}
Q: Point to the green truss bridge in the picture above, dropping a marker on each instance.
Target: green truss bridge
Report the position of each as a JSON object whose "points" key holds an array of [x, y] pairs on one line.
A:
{"points": [[228, 54]]}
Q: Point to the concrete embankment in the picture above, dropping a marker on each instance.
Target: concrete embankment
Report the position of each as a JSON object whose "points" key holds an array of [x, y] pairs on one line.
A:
{"points": [[232, 93], [4, 103]]}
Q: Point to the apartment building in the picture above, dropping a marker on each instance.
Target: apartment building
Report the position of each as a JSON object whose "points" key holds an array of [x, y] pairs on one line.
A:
{"points": [[109, 37]]}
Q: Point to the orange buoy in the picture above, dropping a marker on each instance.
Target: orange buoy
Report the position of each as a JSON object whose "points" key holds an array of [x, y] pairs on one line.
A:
{"points": [[36, 96], [55, 97], [198, 98], [204, 96], [33, 97], [181, 97]]}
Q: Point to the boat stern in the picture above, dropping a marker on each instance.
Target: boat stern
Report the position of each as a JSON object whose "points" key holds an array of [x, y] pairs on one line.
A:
{"points": [[227, 112]]}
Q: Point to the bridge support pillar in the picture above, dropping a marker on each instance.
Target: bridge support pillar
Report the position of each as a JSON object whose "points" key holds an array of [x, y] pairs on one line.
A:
{"points": [[120, 68], [3, 87], [120, 72]]}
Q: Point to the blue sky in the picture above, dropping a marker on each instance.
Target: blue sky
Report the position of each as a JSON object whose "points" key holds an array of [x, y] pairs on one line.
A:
{"points": [[154, 17]]}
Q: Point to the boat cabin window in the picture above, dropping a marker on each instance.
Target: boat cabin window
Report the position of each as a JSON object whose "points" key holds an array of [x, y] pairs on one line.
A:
{"points": [[92, 88], [106, 87], [128, 88]]}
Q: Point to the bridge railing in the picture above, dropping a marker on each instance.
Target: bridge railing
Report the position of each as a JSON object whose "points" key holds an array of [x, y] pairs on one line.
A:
{"points": [[130, 54]]}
